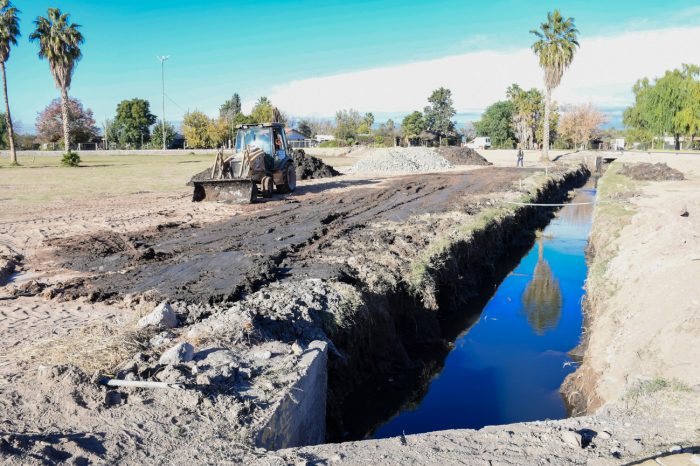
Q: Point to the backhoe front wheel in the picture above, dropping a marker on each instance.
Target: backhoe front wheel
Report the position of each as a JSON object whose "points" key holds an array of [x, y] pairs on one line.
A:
{"points": [[289, 177], [266, 184]]}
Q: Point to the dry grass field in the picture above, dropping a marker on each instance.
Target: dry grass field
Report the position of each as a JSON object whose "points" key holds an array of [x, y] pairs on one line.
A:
{"points": [[42, 179]]}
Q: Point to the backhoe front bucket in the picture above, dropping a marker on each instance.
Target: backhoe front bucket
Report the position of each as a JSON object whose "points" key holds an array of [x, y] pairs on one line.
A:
{"points": [[241, 191]]}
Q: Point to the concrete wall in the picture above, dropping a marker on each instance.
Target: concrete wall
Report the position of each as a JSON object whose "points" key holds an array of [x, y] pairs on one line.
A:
{"points": [[300, 417]]}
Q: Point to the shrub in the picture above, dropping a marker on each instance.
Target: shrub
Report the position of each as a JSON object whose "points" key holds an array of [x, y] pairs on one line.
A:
{"points": [[71, 159], [333, 143]]}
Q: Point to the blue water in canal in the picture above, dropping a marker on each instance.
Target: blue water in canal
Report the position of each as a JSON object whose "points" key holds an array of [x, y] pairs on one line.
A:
{"points": [[509, 365]]}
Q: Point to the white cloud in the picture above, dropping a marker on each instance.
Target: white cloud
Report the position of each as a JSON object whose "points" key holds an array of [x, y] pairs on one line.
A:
{"points": [[603, 72]]}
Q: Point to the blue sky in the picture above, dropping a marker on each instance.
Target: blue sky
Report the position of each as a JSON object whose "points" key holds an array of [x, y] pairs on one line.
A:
{"points": [[286, 49]]}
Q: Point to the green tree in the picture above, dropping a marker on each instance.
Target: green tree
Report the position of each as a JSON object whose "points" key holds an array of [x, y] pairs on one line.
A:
{"points": [[243, 119], [263, 111], [528, 114], [230, 108], [496, 123], [9, 32], [438, 115], [688, 118], [157, 134], [3, 132], [133, 120], [59, 43], [366, 124], [669, 105], [228, 112], [195, 128], [110, 132], [557, 40], [347, 123], [412, 125], [217, 132]]}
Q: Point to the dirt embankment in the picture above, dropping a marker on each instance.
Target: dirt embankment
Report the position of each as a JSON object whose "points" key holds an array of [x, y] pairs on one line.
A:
{"points": [[650, 172], [641, 322], [462, 156], [311, 168]]}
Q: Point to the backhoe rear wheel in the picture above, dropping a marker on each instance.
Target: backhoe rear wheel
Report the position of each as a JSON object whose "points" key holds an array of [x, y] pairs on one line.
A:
{"points": [[289, 176]]}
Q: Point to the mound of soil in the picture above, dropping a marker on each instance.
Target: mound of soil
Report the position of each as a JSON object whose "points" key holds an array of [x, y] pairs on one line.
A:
{"points": [[651, 172], [201, 176], [462, 156], [310, 167]]}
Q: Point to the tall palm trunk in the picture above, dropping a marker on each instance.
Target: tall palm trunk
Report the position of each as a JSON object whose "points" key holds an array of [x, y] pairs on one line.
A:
{"points": [[64, 114], [8, 119], [545, 135]]}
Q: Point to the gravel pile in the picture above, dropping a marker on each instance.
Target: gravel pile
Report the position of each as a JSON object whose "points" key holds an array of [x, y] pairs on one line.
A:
{"points": [[402, 159], [650, 172]]}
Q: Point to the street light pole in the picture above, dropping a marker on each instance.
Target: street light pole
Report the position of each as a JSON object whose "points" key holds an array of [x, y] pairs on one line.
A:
{"points": [[162, 78]]}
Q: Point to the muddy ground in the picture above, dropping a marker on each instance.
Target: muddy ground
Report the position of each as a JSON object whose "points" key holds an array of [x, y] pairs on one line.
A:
{"points": [[287, 238]]}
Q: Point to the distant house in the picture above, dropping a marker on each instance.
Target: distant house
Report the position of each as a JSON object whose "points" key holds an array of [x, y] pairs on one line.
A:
{"points": [[325, 137], [297, 139], [295, 135]]}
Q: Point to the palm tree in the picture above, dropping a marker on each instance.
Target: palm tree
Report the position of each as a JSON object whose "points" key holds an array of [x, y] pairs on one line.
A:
{"points": [[59, 43], [9, 32], [555, 46], [542, 298]]}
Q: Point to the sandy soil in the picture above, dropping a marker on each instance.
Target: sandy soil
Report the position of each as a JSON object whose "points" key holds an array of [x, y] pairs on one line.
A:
{"points": [[643, 321], [658, 427]]}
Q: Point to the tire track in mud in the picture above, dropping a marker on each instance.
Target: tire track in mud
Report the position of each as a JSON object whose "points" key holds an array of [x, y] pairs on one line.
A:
{"points": [[279, 239]]}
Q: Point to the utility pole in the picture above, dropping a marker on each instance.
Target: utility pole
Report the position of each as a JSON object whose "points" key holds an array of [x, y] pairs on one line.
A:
{"points": [[162, 78]]}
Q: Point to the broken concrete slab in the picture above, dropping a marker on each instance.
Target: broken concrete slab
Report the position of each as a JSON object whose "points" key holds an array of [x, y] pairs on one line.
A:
{"points": [[162, 316], [178, 354]]}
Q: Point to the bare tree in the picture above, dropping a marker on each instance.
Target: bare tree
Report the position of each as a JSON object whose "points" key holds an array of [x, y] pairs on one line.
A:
{"points": [[580, 123]]}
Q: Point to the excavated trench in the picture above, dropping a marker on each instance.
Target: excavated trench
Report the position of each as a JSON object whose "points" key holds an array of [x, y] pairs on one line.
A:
{"points": [[396, 337], [464, 284]]}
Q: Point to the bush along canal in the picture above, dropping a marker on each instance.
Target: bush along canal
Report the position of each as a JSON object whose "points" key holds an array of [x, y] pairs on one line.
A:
{"points": [[508, 365]]}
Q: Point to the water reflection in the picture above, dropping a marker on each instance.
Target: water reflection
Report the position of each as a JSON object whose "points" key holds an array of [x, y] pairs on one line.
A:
{"points": [[542, 298], [509, 364], [579, 215]]}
